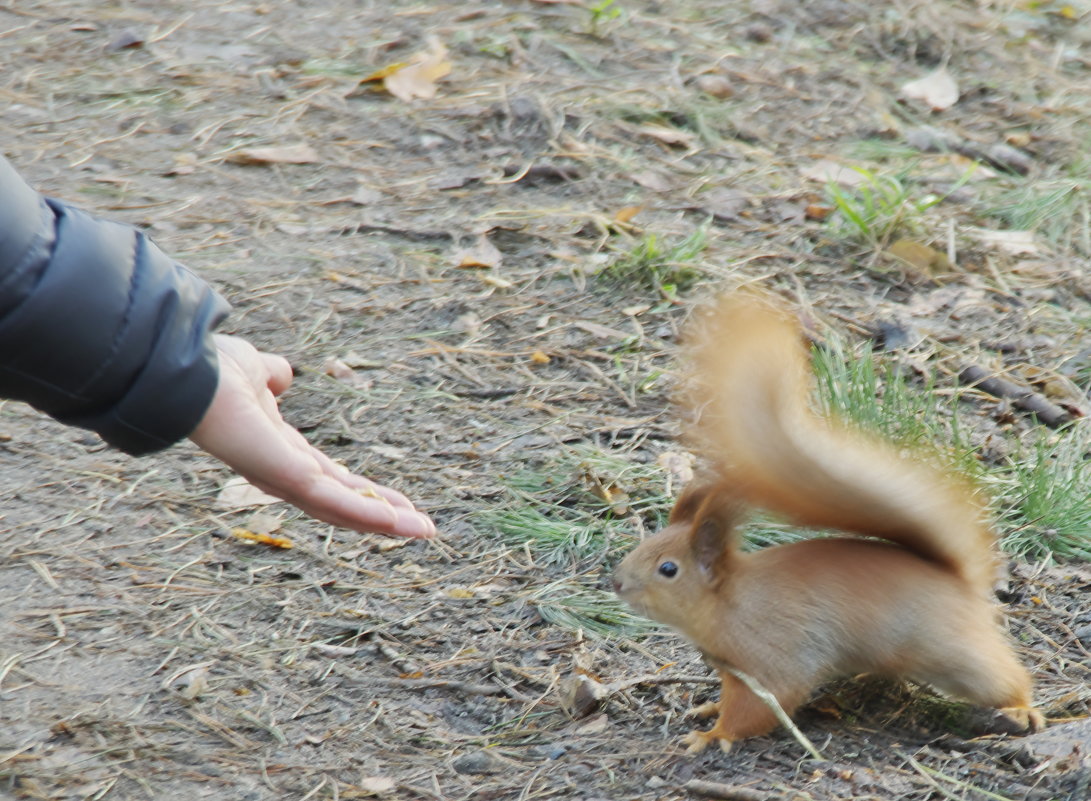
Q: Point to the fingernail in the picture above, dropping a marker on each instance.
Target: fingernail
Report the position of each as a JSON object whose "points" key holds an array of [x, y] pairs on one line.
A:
{"points": [[419, 525]]}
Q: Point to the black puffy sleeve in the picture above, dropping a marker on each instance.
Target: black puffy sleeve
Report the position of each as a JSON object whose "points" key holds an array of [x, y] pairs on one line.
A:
{"points": [[98, 327]]}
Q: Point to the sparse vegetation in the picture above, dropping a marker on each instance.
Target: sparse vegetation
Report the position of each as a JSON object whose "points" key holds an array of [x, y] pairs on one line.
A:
{"points": [[523, 399], [660, 265], [1044, 499], [1058, 209], [578, 508], [877, 209]]}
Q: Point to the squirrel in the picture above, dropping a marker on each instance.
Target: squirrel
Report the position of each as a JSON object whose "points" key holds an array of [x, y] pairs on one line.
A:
{"points": [[911, 597]]}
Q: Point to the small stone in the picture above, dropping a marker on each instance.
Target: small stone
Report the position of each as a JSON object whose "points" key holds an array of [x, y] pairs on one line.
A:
{"points": [[759, 32], [715, 85], [1083, 634], [477, 763]]}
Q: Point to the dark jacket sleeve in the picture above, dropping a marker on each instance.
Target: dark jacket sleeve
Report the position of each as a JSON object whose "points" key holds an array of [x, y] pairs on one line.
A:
{"points": [[98, 327]]}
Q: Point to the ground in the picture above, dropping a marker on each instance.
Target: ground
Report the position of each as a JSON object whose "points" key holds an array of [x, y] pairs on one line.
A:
{"points": [[492, 280]]}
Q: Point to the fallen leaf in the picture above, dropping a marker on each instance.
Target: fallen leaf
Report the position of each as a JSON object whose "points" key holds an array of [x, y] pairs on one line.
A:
{"points": [[626, 214], [596, 725], [1015, 242], [828, 171], [937, 89], [262, 539], [483, 255], [602, 331], [184, 164], [377, 784], [580, 694], [653, 180], [725, 205], [190, 681], [263, 522], [668, 136], [238, 493], [417, 79], [496, 281], [276, 154], [334, 651], [389, 451], [358, 362], [920, 258], [335, 368]]}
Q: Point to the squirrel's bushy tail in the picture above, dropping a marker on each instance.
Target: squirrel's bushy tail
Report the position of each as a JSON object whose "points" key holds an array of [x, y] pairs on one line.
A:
{"points": [[751, 376]]}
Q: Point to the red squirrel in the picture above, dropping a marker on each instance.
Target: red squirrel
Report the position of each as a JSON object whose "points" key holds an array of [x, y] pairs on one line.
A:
{"points": [[913, 600]]}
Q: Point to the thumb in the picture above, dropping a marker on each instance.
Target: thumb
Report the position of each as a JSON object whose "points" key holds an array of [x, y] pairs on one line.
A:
{"points": [[280, 372]]}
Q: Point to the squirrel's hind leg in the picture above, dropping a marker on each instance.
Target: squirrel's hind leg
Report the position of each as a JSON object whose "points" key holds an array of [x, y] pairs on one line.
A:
{"points": [[983, 669]]}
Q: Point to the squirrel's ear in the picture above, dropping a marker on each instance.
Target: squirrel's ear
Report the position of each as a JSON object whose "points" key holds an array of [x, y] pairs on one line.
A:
{"points": [[710, 543], [689, 503]]}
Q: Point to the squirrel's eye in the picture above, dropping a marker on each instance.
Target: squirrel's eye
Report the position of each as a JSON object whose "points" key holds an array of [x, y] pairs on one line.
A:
{"points": [[668, 569]]}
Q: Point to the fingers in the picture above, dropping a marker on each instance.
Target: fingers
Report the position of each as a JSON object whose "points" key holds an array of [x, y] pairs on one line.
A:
{"points": [[341, 473], [327, 499]]}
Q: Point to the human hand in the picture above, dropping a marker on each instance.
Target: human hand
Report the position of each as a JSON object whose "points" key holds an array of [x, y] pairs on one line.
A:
{"points": [[243, 429]]}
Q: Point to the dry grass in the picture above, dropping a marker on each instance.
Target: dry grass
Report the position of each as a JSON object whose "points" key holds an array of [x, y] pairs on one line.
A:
{"points": [[144, 653]]}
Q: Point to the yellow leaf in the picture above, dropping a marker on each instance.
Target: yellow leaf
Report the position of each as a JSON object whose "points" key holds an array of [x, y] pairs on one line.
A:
{"points": [[262, 539], [418, 77], [483, 255], [627, 213], [383, 72], [920, 258], [277, 154]]}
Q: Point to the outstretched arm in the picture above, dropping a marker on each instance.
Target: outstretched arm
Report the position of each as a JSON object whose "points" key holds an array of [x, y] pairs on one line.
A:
{"points": [[100, 329]]}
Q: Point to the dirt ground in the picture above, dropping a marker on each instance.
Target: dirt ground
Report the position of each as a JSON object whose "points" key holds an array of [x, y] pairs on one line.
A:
{"points": [[436, 269]]}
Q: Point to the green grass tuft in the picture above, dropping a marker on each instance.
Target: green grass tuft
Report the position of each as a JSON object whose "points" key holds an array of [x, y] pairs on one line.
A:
{"points": [[1058, 210], [1045, 500], [576, 513], [1039, 496], [575, 606], [577, 509], [658, 265], [883, 400]]}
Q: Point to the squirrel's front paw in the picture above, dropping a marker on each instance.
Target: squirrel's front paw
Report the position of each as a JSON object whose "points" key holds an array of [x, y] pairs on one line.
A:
{"points": [[697, 741]]}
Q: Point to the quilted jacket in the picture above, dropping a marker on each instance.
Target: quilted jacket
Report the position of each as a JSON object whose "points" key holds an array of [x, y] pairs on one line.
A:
{"points": [[98, 327]]}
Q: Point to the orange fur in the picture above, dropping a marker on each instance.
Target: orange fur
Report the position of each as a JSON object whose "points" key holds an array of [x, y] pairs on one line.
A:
{"points": [[914, 603]]}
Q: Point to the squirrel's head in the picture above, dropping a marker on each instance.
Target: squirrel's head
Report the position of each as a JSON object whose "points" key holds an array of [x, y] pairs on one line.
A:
{"points": [[679, 572]]}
